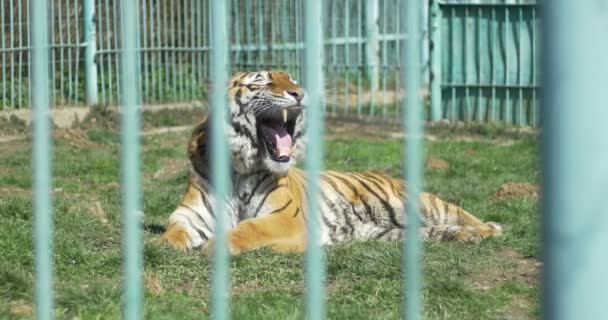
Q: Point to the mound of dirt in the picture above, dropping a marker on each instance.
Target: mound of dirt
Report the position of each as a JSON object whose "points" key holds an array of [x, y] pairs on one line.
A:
{"points": [[13, 126], [433, 163], [512, 190], [75, 137], [513, 267]]}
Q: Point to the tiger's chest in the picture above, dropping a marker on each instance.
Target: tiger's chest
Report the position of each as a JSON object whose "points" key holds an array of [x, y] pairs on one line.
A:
{"points": [[256, 195]]}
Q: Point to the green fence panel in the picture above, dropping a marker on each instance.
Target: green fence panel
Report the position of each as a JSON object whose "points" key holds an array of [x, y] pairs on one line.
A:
{"points": [[575, 154], [488, 55], [131, 182], [41, 161]]}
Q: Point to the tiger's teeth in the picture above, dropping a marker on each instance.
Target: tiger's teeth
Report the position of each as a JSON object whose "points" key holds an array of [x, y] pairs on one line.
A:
{"points": [[284, 115]]}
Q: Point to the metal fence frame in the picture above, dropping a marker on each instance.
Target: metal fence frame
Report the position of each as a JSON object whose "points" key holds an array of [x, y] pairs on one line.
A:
{"points": [[575, 153], [362, 63]]}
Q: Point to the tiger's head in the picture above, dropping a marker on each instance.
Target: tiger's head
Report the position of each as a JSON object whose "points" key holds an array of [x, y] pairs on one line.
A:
{"points": [[266, 121]]}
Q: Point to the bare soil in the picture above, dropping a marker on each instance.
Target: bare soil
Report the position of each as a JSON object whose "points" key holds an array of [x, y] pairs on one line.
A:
{"points": [[513, 190]]}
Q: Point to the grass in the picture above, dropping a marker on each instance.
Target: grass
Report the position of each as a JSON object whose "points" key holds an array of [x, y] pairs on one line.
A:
{"points": [[364, 280]]}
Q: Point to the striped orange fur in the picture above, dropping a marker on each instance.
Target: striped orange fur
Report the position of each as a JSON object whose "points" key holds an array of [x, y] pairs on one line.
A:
{"points": [[267, 206]]}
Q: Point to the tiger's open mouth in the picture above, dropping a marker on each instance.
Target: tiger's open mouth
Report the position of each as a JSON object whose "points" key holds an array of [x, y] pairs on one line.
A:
{"points": [[276, 130]]}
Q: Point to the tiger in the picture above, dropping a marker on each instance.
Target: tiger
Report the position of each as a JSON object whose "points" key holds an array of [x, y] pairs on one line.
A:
{"points": [[267, 206]]}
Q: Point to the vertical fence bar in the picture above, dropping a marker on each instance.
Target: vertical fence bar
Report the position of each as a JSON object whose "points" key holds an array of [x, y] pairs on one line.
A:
{"points": [[435, 21], [575, 154], [132, 252], [372, 49], [220, 162], [90, 41], [43, 209], [413, 120], [313, 80]]}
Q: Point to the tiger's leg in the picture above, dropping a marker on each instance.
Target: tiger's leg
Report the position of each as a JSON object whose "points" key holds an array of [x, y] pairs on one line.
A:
{"points": [[283, 232], [446, 221], [192, 223]]}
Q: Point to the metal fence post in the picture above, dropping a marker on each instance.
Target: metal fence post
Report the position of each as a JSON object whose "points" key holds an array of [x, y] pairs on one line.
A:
{"points": [[435, 57], [131, 186], [575, 158], [41, 161], [90, 42], [413, 151], [313, 81], [220, 164], [372, 52]]}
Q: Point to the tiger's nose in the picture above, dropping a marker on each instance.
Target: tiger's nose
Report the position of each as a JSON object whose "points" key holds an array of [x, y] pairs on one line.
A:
{"points": [[297, 94]]}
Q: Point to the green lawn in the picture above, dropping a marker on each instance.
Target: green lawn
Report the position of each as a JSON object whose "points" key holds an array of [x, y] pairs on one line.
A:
{"points": [[497, 279]]}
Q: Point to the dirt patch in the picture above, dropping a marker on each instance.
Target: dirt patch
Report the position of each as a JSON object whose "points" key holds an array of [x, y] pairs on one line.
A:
{"points": [[512, 190], [470, 152], [13, 125], [169, 168], [75, 138], [21, 308], [153, 285], [433, 163], [512, 266], [109, 118], [14, 190], [98, 212]]}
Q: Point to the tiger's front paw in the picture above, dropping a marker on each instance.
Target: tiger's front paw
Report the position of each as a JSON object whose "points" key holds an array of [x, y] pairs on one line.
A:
{"points": [[209, 248], [468, 235], [178, 237]]}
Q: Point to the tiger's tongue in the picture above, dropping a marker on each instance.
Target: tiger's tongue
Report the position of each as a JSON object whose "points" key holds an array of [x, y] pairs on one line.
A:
{"points": [[281, 138]]}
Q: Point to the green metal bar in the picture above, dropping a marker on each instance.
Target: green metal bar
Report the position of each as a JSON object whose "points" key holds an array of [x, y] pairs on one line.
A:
{"points": [[77, 54], [248, 29], [171, 12], [384, 58], [61, 50], [12, 43], [117, 7], [436, 76], [413, 151], [194, 56], [334, 48], [41, 160], [159, 36], [535, 108], [260, 33], [69, 54], [348, 68], [313, 80], [466, 63], [90, 39], [20, 66], [520, 105], [220, 162], [144, 55], [507, 29], [480, 105], [453, 109], [494, 23], [2, 40], [575, 154], [131, 187], [372, 49], [359, 54]]}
